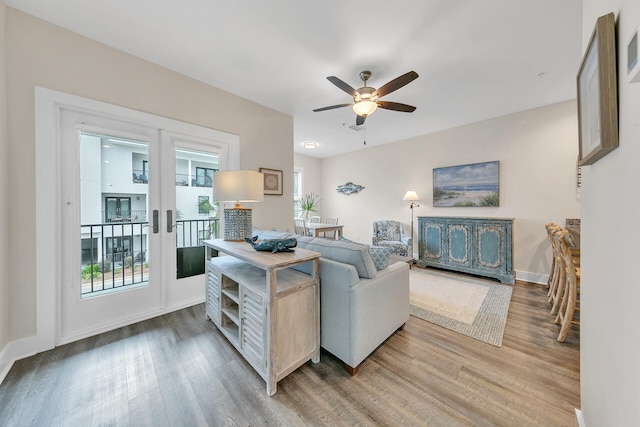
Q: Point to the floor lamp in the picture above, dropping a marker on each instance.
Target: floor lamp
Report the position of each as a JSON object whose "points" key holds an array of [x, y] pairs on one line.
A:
{"points": [[412, 196], [238, 186]]}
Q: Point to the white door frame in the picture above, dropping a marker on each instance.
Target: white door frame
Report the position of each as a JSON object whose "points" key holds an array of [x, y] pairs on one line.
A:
{"points": [[47, 195]]}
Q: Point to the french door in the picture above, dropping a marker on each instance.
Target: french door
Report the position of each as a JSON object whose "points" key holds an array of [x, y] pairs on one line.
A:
{"points": [[135, 205]]}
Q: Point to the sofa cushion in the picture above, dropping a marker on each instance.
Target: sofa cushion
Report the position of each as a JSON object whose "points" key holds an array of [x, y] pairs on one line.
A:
{"points": [[380, 256], [344, 251]]}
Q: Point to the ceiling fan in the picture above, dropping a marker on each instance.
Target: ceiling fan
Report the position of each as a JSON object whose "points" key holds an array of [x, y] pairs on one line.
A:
{"points": [[366, 99]]}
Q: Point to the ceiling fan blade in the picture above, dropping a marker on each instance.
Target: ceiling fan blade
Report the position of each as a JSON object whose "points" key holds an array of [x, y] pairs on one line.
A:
{"points": [[395, 84], [342, 85], [396, 106], [360, 120], [331, 107]]}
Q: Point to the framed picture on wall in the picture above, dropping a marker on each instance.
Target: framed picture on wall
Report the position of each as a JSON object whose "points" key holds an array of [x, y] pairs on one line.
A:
{"points": [[272, 181], [597, 94], [473, 185]]}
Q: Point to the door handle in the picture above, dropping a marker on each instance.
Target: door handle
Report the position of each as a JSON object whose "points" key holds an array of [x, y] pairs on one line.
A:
{"points": [[169, 220], [156, 228]]}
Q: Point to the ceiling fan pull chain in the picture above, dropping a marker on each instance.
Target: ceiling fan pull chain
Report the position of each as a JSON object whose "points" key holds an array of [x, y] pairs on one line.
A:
{"points": [[365, 135]]}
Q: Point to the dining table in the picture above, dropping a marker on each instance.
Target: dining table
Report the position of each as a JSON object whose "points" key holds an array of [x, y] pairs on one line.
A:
{"points": [[318, 227]]}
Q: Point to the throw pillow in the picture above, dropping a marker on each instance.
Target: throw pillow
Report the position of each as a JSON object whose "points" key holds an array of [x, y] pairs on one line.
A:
{"points": [[380, 256]]}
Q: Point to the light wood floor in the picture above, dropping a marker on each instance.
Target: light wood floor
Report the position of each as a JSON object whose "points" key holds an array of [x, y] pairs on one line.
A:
{"points": [[178, 370]]}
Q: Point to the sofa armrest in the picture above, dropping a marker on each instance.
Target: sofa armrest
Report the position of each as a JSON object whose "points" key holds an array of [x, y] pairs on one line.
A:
{"points": [[356, 316], [336, 280], [378, 308]]}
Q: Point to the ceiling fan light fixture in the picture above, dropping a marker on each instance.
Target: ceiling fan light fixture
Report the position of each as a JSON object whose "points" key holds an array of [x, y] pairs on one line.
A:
{"points": [[364, 107]]}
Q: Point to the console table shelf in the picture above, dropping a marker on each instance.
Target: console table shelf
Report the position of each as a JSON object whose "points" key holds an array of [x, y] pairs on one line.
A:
{"points": [[268, 311], [482, 246]]}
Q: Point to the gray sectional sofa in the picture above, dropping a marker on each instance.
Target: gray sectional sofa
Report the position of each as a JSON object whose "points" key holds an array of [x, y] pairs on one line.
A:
{"points": [[361, 303]]}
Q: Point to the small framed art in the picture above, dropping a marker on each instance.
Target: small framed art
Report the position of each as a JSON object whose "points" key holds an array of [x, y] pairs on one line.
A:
{"points": [[598, 94], [272, 181]]}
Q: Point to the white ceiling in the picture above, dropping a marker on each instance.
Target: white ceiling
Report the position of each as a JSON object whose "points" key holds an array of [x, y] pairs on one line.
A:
{"points": [[476, 59]]}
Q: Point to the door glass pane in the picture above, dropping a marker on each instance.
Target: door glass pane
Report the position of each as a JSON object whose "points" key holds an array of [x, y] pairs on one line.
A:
{"points": [[113, 214], [196, 213]]}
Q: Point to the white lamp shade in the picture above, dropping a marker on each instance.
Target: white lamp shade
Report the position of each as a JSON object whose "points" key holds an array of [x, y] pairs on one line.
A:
{"points": [[411, 196], [238, 186], [364, 108]]}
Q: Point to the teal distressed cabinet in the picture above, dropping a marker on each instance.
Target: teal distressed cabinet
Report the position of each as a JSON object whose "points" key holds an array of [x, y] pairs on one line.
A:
{"points": [[482, 246]]}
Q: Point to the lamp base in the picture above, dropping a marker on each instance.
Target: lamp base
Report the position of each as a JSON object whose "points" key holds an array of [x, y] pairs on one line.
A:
{"points": [[237, 224]]}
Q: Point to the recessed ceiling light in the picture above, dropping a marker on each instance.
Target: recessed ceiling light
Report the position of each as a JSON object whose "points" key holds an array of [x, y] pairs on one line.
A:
{"points": [[310, 145]]}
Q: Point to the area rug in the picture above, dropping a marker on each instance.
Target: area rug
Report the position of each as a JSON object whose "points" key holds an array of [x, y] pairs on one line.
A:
{"points": [[465, 304]]}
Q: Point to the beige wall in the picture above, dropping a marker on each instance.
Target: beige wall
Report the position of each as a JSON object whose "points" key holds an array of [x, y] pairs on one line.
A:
{"points": [[537, 150], [4, 198], [609, 336], [41, 54]]}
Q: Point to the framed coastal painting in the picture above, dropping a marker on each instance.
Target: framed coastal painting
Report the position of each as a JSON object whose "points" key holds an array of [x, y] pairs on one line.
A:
{"points": [[597, 94], [272, 181], [473, 185]]}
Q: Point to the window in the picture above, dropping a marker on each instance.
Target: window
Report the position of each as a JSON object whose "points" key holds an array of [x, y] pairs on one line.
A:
{"points": [[204, 177], [297, 192], [117, 209], [204, 206]]}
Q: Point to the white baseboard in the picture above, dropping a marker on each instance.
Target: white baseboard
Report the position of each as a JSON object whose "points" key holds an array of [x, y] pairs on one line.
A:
{"points": [[579, 419], [527, 276], [6, 363]]}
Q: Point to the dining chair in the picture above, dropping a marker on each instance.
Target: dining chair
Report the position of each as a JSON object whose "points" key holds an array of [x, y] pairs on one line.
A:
{"points": [[570, 302], [561, 238], [555, 264], [301, 227], [314, 219]]}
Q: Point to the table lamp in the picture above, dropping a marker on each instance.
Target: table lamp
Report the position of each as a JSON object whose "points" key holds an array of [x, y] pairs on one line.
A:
{"points": [[238, 186], [412, 196]]}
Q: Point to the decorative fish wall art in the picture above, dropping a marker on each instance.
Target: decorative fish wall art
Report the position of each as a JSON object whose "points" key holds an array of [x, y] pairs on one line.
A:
{"points": [[349, 188]]}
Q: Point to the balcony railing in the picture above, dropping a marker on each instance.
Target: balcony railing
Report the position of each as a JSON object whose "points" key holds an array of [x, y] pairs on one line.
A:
{"points": [[191, 232], [115, 256], [182, 179], [140, 177], [125, 215]]}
